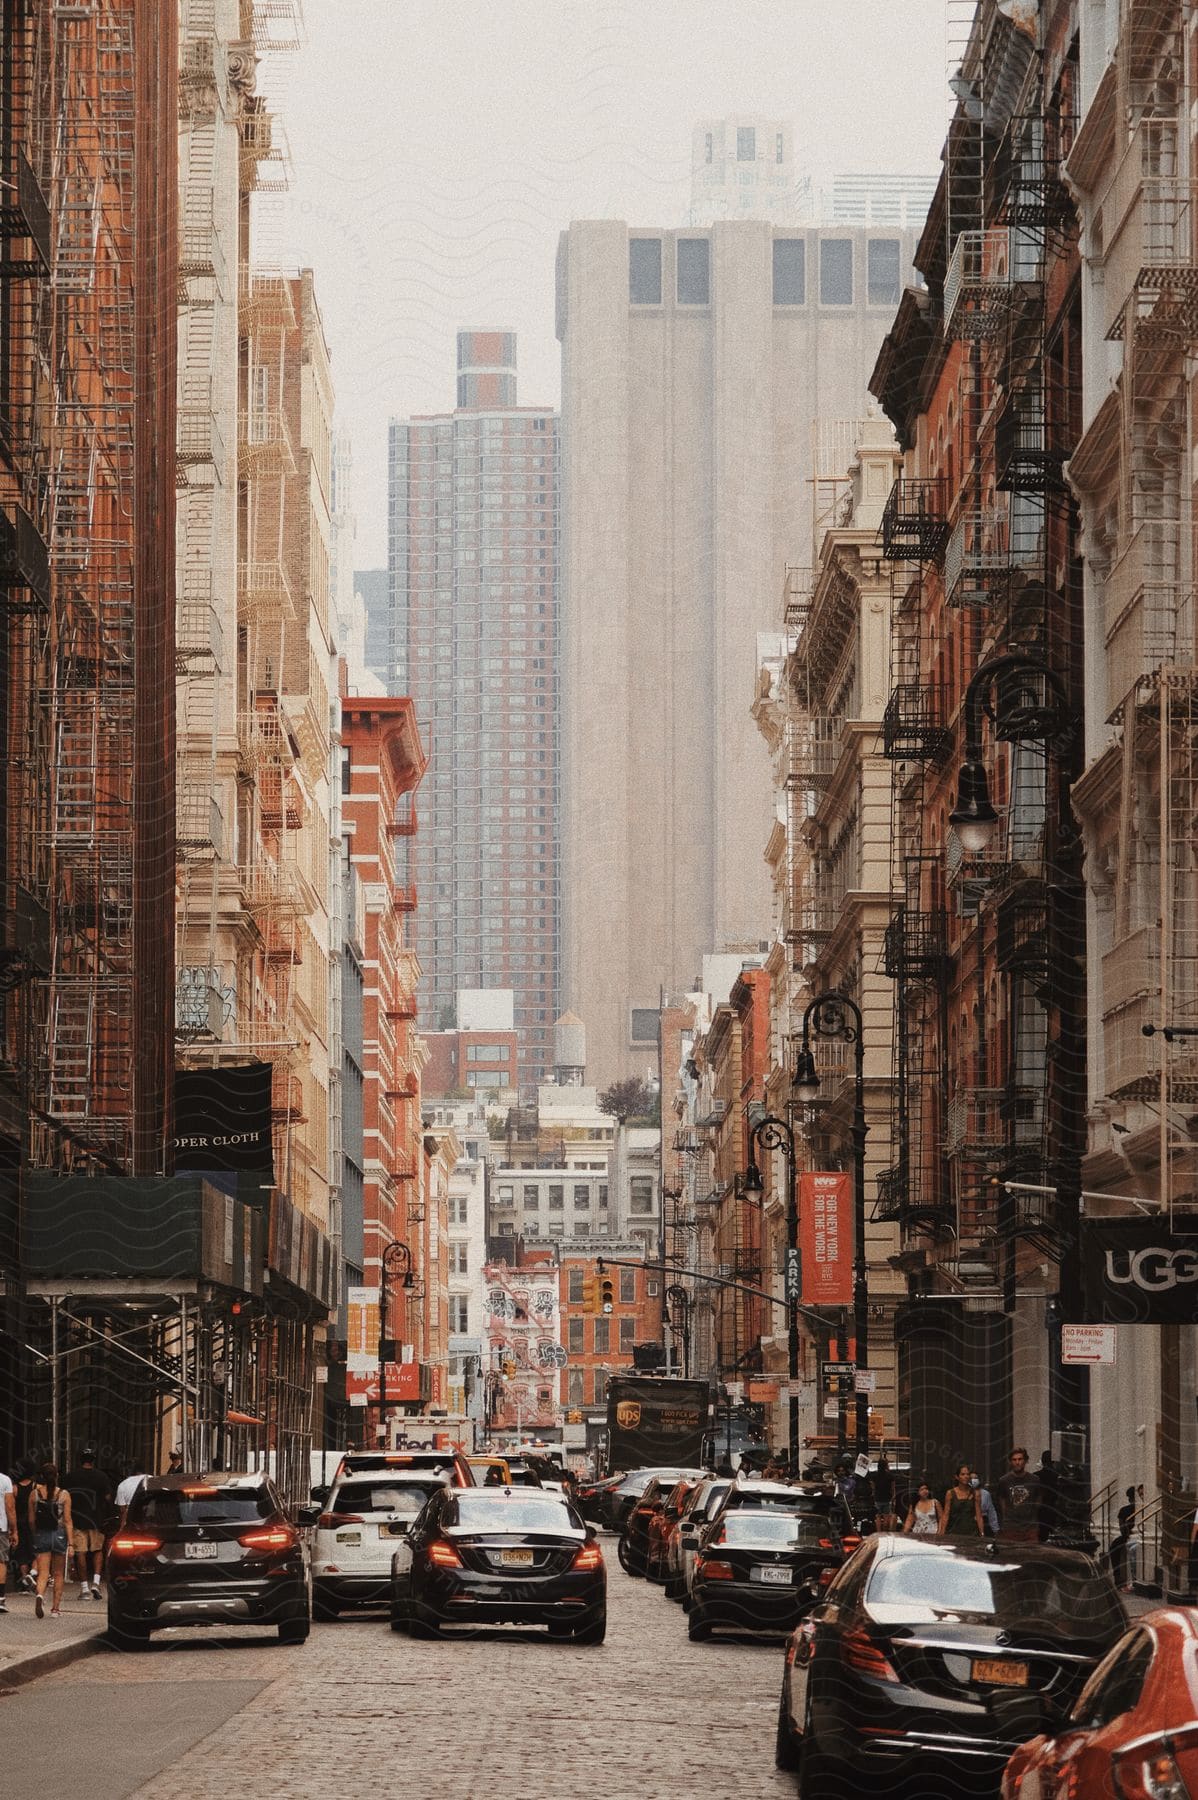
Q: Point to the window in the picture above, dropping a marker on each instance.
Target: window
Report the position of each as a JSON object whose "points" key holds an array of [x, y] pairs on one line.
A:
{"points": [[575, 1340], [644, 271], [1116, 1685], [599, 1387], [486, 1053], [694, 272], [746, 143], [627, 1333], [574, 1387], [458, 1263], [883, 272], [627, 1287], [643, 1024], [575, 1280], [709, 146], [602, 1336], [532, 1196], [640, 1194], [603, 1193], [459, 1312], [790, 272], [557, 1198], [582, 1195], [779, 151], [507, 1193], [836, 272]]}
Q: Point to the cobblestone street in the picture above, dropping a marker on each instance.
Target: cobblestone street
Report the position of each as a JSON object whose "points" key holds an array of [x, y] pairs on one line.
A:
{"points": [[359, 1708]]}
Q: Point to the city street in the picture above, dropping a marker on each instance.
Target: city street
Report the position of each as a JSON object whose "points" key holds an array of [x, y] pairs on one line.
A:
{"points": [[360, 1709]]}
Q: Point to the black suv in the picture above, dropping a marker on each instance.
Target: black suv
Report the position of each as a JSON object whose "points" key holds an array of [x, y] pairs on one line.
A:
{"points": [[207, 1550]]}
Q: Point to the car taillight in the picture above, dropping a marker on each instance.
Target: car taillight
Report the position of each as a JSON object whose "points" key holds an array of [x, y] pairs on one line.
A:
{"points": [[1150, 1773], [129, 1544], [331, 1521], [270, 1537], [850, 1542], [826, 1544], [589, 1556], [713, 1569], [443, 1555], [827, 1577], [859, 1652]]}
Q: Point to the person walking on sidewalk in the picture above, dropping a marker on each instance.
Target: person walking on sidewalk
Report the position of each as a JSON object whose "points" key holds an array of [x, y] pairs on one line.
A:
{"points": [[24, 1473], [8, 1534], [91, 1505], [1018, 1496], [961, 1514], [50, 1518]]}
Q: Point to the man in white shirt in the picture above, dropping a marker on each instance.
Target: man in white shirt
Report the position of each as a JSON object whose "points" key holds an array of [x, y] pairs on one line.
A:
{"points": [[8, 1533], [124, 1496]]}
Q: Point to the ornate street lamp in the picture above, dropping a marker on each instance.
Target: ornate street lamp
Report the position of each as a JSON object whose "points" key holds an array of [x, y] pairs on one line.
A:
{"points": [[773, 1133], [679, 1320], [835, 1015], [396, 1260]]}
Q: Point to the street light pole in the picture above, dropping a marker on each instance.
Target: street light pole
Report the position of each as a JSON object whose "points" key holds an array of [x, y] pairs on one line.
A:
{"points": [[677, 1297], [396, 1258], [773, 1133], [828, 1016]]}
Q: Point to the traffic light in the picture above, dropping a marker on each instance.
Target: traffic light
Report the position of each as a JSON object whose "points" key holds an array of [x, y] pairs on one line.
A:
{"points": [[590, 1294], [607, 1295]]}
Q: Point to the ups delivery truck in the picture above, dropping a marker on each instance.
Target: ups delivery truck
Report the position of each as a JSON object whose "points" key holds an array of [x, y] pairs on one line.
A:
{"points": [[654, 1420]]}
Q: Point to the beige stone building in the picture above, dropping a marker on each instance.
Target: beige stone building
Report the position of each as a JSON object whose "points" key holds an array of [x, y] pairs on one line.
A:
{"points": [[694, 364]]}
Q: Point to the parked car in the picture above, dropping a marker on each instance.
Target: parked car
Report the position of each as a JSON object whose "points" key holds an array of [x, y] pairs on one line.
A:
{"points": [[935, 1655], [1134, 1728], [760, 1569], [706, 1498], [590, 1497], [634, 1539], [450, 1464], [363, 1518], [628, 1490], [498, 1556], [790, 1497], [662, 1524], [494, 1467], [207, 1550]]}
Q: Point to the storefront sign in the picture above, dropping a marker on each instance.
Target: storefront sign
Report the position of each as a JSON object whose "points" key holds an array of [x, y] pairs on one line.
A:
{"points": [[1137, 1272], [825, 1237], [222, 1120]]}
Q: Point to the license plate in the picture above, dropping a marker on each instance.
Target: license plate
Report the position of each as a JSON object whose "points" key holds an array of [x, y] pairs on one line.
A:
{"points": [[516, 1559], [772, 1577], [349, 1537], [999, 1673], [393, 1530], [200, 1552]]}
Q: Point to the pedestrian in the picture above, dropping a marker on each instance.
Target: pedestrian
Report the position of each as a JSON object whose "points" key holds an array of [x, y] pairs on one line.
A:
{"points": [[773, 1471], [986, 1502], [50, 1520], [1018, 1496], [91, 1506], [175, 1464], [923, 1515], [884, 1495], [961, 1514], [126, 1489], [8, 1532], [1048, 1507], [1124, 1520], [24, 1548], [844, 1485], [724, 1468]]}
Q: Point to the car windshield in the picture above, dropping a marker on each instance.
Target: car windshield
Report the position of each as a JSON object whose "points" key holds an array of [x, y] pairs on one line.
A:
{"points": [[810, 1505], [201, 1506], [768, 1528], [500, 1514], [1032, 1596], [403, 1497]]}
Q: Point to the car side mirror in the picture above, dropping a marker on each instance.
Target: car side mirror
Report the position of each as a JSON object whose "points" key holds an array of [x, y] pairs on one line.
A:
{"points": [[307, 1515], [319, 1493], [592, 1534]]}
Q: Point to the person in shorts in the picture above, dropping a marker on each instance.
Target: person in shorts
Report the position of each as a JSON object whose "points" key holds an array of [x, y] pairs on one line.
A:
{"points": [[8, 1533], [50, 1519], [91, 1504]]}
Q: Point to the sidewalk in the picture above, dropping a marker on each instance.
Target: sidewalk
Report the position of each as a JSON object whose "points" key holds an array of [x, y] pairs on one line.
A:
{"points": [[30, 1646]]}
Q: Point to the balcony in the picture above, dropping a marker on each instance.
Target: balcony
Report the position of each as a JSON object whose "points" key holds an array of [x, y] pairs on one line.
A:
{"points": [[892, 1196], [199, 640], [280, 803], [1021, 931], [27, 217], [914, 526], [265, 443], [977, 560], [912, 724], [977, 287], [1031, 445], [915, 947], [264, 594], [199, 826], [199, 444], [1149, 620], [403, 899], [24, 563], [1150, 282], [985, 1124], [815, 753]]}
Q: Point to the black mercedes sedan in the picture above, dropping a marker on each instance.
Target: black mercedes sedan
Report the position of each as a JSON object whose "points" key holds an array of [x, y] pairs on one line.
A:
{"points": [[761, 1571], [930, 1661], [492, 1556]]}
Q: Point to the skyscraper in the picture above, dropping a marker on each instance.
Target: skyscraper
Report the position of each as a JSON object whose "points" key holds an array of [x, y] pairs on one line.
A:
{"points": [[694, 366], [473, 585]]}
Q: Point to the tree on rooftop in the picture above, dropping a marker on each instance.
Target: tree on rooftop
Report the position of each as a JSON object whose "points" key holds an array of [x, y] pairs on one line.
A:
{"points": [[632, 1101]]}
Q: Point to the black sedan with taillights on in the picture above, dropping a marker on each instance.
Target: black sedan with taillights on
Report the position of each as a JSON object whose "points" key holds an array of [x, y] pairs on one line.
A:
{"points": [[216, 1549], [761, 1570], [931, 1660], [500, 1556]]}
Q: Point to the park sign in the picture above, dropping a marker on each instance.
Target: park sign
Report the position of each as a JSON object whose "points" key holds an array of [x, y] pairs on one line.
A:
{"points": [[1138, 1272]]}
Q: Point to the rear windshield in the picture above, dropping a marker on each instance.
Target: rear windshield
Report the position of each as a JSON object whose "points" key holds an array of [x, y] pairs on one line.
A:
{"points": [[810, 1505], [403, 1497], [518, 1514], [1080, 1602], [748, 1527], [200, 1506], [525, 1478]]}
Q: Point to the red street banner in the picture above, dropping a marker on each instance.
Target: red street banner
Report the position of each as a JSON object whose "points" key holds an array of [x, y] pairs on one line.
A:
{"points": [[825, 1237]]}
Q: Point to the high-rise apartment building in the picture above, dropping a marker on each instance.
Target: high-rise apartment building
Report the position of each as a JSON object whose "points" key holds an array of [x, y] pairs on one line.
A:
{"points": [[472, 617], [743, 168], [694, 365]]}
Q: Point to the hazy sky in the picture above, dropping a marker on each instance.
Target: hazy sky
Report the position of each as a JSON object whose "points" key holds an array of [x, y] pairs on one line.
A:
{"points": [[440, 146]]}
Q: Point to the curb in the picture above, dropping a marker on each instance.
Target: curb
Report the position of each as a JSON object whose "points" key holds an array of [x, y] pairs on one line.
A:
{"points": [[29, 1668]]}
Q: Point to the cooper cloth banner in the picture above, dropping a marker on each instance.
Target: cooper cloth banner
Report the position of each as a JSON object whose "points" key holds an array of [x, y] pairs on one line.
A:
{"points": [[826, 1237], [1137, 1272], [222, 1120]]}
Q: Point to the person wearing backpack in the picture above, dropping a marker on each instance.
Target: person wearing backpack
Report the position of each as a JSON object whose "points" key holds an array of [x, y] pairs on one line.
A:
{"points": [[50, 1517]]}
